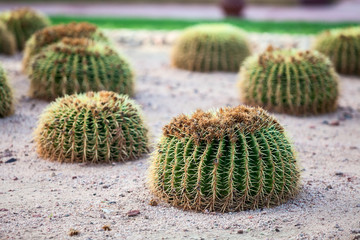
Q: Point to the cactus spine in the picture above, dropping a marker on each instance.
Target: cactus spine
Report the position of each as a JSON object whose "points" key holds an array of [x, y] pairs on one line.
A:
{"points": [[227, 160], [23, 22], [211, 47], [342, 46], [6, 95], [92, 127], [7, 40], [53, 34], [77, 65], [290, 81]]}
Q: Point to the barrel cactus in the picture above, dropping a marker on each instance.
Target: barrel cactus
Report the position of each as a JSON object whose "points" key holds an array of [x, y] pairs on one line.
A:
{"points": [[23, 22], [211, 47], [76, 65], [229, 159], [342, 46], [290, 81], [7, 40], [6, 95], [53, 34], [92, 127]]}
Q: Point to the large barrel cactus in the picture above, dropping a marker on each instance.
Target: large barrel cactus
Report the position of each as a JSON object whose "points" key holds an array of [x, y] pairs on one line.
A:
{"points": [[53, 34], [342, 46], [211, 47], [230, 159], [76, 65], [6, 95], [7, 40], [290, 81], [23, 22], [92, 127]]}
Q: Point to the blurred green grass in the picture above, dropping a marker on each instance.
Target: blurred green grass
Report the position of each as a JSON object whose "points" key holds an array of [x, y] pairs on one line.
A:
{"points": [[174, 24]]}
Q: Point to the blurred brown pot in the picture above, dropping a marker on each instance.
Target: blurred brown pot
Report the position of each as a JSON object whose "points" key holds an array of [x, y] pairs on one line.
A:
{"points": [[232, 8], [316, 2]]}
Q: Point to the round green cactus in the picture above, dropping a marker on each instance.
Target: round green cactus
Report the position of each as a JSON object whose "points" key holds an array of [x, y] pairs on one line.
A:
{"points": [[290, 81], [92, 127], [7, 40], [211, 47], [6, 95], [23, 22], [76, 65], [231, 159], [342, 46], [53, 34]]}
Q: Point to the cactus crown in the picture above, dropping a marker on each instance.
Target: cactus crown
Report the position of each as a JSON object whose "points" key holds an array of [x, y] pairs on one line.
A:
{"points": [[76, 65], [208, 126], [92, 127], [211, 47], [6, 95], [7, 40], [291, 81], [224, 160], [23, 22], [53, 34], [341, 46]]}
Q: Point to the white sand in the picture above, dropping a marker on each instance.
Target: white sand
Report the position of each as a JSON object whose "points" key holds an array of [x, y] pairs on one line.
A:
{"points": [[43, 200]]}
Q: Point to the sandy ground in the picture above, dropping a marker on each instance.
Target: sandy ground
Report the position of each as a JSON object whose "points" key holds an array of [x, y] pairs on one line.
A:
{"points": [[44, 200]]}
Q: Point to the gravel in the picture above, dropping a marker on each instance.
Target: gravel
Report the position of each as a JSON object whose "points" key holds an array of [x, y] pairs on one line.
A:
{"points": [[48, 199]]}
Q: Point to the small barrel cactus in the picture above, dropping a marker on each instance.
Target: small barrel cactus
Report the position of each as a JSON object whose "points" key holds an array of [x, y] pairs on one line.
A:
{"points": [[290, 81], [342, 46], [23, 22], [7, 40], [6, 95], [76, 65], [92, 127], [211, 47], [230, 159], [53, 34]]}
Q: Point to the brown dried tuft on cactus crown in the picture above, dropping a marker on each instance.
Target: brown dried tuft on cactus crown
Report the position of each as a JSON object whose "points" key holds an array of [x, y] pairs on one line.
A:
{"points": [[52, 34], [217, 124]]}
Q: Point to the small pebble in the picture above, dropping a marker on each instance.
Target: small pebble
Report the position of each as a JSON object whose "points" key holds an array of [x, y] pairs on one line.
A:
{"points": [[11, 160], [133, 213], [340, 174], [240, 231]]}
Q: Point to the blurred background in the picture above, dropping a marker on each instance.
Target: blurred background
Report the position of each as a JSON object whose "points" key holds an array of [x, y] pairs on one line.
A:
{"points": [[269, 10]]}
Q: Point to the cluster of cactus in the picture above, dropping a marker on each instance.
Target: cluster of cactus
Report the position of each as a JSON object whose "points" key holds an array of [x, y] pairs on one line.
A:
{"points": [[342, 46], [7, 40], [211, 47], [230, 159], [53, 34], [98, 127], [76, 65], [24, 22], [6, 95], [290, 81]]}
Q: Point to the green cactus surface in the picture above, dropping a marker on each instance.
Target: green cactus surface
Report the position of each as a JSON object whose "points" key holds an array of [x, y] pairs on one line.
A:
{"points": [[53, 34], [342, 46], [211, 47], [76, 65], [92, 127], [230, 159], [7, 40], [290, 81], [6, 95], [24, 22]]}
